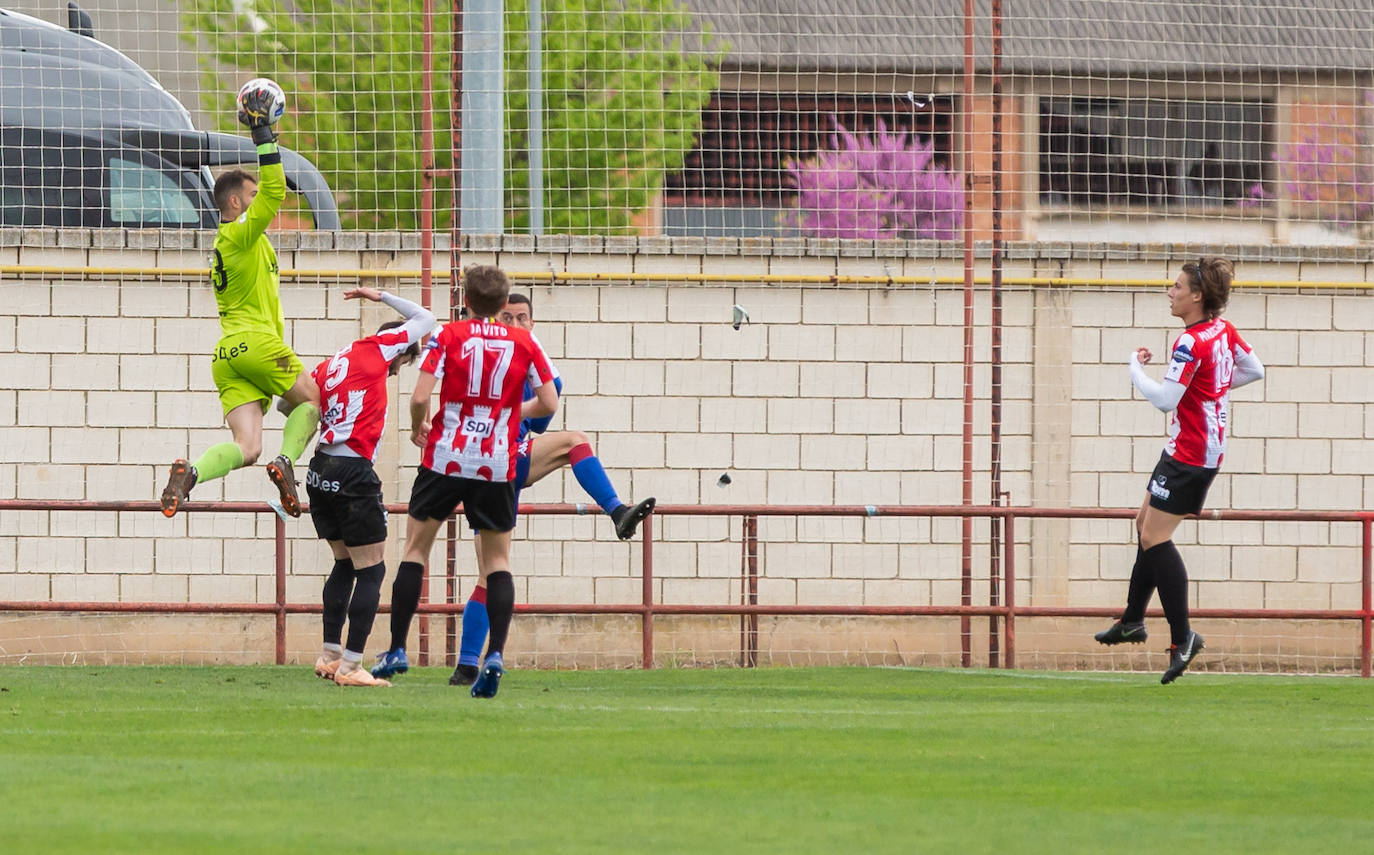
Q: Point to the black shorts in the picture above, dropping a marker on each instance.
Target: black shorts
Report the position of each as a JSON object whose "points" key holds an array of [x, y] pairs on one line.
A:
{"points": [[346, 499], [488, 506], [1177, 488]]}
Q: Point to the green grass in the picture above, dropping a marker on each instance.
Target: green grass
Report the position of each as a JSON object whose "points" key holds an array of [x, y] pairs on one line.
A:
{"points": [[265, 760]]}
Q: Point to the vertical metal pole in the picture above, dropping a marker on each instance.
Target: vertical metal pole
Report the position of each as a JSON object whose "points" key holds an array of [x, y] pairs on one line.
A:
{"points": [[966, 144], [451, 593], [423, 622], [646, 632], [280, 591], [427, 154], [1009, 584], [995, 537], [744, 590], [455, 119], [455, 300], [749, 591], [536, 30], [753, 590], [1365, 599], [483, 93]]}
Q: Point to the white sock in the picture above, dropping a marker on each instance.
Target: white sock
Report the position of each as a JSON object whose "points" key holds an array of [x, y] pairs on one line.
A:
{"points": [[352, 661], [332, 651]]}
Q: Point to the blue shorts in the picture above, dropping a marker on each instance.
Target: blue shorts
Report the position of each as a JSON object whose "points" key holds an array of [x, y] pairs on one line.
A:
{"points": [[522, 465]]}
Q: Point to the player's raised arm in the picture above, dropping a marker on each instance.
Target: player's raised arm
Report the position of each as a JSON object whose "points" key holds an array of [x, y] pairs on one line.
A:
{"points": [[261, 103], [419, 320]]}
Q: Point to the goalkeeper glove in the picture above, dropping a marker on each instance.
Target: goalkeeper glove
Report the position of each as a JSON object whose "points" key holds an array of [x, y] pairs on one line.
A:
{"points": [[254, 111]]}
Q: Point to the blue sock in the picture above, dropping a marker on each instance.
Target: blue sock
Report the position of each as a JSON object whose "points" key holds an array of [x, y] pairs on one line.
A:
{"points": [[475, 626], [589, 473]]}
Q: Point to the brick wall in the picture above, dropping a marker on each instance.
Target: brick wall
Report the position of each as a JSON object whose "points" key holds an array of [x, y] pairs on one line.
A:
{"points": [[833, 393]]}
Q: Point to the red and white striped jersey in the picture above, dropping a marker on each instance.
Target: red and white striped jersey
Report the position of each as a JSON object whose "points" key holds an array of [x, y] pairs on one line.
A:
{"points": [[353, 392], [482, 367], [1203, 359]]}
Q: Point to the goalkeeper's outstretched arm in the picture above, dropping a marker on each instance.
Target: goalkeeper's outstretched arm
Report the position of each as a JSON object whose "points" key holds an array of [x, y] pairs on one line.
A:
{"points": [[256, 112]]}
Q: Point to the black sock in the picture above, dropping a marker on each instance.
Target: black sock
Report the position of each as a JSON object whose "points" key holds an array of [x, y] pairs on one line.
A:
{"points": [[362, 609], [500, 608], [405, 599], [1172, 580], [1141, 589], [336, 590]]}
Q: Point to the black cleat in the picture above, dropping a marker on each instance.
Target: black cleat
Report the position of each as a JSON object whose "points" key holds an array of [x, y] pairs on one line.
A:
{"points": [[1180, 657], [627, 519], [463, 675], [1122, 633]]}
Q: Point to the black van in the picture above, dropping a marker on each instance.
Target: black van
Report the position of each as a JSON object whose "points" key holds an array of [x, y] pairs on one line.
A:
{"points": [[89, 139]]}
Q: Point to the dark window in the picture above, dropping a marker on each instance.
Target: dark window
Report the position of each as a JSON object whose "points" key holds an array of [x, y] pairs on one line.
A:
{"points": [[1151, 152]]}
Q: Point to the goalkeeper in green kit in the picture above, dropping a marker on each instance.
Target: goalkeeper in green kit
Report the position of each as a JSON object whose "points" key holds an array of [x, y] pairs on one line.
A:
{"points": [[251, 362]]}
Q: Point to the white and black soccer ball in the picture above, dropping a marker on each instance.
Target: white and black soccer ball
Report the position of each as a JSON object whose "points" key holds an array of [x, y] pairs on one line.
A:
{"points": [[261, 101]]}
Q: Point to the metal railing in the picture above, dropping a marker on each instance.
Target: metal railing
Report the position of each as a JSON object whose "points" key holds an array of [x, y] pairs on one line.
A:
{"points": [[1003, 610]]}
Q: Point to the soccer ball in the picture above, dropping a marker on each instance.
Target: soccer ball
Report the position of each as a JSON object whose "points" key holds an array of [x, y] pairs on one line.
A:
{"points": [[259, 99]]}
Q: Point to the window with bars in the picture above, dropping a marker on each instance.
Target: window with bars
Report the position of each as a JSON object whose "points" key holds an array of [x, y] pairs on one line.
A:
{"points": [[1152, 152]]}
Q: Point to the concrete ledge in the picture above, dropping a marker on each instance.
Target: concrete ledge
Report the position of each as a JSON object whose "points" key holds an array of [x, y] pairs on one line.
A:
{"points": [[321, 241]]}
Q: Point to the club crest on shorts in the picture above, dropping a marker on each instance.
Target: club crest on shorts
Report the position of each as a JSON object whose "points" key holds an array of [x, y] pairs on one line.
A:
{"points": [[1157, 487]]}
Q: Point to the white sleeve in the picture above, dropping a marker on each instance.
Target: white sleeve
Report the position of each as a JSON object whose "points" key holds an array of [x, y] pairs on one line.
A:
{"points": [[419, 320], [1165, 396], [1248, 369]]}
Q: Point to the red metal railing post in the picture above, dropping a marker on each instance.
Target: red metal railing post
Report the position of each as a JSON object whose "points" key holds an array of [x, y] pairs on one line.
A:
{"points": [[749, 591], [1009, 590], [281, 590], [743, 589], [423, 616], [966, 524], [1365, 600], [451, 594], [646, 625]]}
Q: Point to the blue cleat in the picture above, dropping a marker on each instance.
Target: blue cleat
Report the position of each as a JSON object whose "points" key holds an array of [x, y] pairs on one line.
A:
{"points": [[490, 678], [390, 663]]}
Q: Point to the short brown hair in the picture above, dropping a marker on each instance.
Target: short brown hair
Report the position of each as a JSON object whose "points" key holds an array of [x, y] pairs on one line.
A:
{"points": [[1212, 277], [229, 183], [485, 289]]}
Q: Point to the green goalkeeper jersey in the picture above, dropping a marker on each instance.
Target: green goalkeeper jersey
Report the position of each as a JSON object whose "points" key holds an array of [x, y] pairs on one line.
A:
{"points": [[243, 266]]}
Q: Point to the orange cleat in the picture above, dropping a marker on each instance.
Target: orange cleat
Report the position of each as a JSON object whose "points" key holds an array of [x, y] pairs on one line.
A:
{"points": [[179, 484], [281, 473], [325, 669], [359, 677]]}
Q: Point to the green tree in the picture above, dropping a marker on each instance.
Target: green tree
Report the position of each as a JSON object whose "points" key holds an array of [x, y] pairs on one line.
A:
{"points": [[624, 85]]}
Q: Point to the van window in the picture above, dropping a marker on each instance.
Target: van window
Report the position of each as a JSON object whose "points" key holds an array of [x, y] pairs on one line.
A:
{"points": [[140, 195]]}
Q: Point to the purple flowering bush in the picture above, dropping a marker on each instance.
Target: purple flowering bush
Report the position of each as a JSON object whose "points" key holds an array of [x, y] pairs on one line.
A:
{"points": [[1328, 169], [884, 185]]}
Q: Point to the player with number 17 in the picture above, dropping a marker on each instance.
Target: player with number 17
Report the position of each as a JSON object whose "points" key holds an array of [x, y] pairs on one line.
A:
{"points": [[481, 367]]}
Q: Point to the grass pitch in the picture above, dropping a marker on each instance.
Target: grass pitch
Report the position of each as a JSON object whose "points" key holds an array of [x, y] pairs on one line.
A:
{"points": [[271, 759]]}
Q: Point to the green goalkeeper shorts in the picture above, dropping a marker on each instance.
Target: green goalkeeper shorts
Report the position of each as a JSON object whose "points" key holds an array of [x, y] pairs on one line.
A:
{"points": [[251, 367]]}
